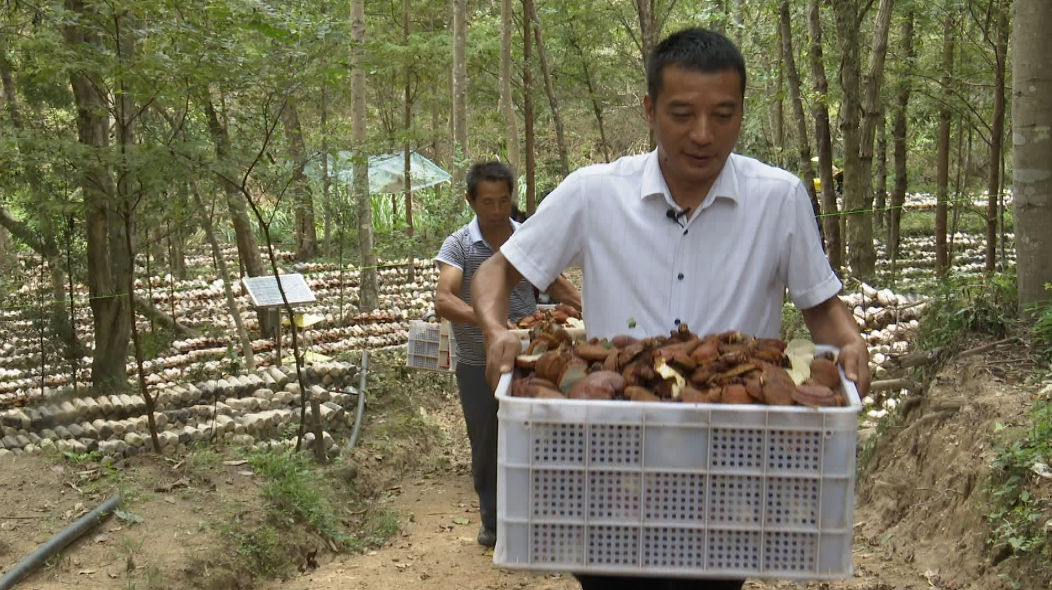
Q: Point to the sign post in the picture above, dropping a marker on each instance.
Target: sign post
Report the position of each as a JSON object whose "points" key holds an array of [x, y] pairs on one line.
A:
{"points": [[267, 298]]}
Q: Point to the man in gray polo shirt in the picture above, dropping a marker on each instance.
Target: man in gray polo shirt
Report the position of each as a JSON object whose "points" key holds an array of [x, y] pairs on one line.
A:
{"points": [[489, 193]]}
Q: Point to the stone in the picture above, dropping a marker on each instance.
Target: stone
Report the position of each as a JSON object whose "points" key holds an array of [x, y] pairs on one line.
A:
{"points": [[75, 430], [107, 461], [62, 432], [45, 418], [129, 403], [105, 405], [10, 442], [32, 449], [34, 417], [226, 423], [48, 433], [16, 419], [89, 430], [134, 440], [33, 437], [81, 407], [23, 441], [91, 444], [269, 382], [92, 407], [47, 443], [348, 471]]}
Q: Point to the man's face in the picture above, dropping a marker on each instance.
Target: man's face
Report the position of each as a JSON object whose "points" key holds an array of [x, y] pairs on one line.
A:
{"points": [[696, 120], [492, 203]]}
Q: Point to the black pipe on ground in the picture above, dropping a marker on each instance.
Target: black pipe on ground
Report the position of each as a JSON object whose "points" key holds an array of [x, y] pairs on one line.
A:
{"points": [[58, 543]]}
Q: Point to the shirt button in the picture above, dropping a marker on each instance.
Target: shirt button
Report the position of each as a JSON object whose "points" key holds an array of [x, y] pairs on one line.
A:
{"points": [[677, 321], [680, 276]]}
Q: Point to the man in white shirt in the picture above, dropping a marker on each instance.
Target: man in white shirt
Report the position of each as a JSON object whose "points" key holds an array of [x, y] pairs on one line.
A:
{"points": [[690, 233]]}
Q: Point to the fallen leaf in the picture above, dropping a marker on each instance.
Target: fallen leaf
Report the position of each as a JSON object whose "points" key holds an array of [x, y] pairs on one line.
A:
{"points": [[461, 521], [1042, 470], [100, 538], [170, 500], [85, 572], [128, 516], [246, 473], [113, 576], [238, 463]]}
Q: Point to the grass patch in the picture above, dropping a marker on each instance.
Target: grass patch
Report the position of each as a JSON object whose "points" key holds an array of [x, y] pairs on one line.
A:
{"points": [[296, 489], [203, 457], [261, 548], [963, 308], [1016, 516]]}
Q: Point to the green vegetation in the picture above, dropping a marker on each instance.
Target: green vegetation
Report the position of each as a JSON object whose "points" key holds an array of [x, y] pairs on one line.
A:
{"points": [[261, 548], [921, 223], [964, 308], [793, 325], [1016, 515]]}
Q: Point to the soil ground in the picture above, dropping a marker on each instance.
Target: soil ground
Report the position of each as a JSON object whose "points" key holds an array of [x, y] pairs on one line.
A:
{"points": [[919, 513]]}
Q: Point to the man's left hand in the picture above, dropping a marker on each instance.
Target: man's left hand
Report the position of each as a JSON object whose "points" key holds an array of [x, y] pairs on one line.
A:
{"points": [[854, 359]]}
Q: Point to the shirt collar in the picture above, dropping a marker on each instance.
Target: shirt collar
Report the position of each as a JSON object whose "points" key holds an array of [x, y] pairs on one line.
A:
{"points": [[475, 231], [725, 187]]}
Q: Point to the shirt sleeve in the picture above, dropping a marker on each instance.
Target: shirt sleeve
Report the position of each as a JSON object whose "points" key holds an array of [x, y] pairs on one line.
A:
{"points": [[552, 238], [452, 253], [811, 279]]}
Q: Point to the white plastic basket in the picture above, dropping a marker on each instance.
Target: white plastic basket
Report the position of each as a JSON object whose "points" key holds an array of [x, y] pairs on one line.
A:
{"points": [[431, 347], [677, 490]]}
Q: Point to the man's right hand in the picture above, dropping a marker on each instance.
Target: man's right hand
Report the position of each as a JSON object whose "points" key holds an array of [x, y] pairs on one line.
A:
{"points": [[501, 349]]}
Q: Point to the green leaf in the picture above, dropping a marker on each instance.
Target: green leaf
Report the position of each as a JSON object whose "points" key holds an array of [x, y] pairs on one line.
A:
{"points": [[887, 537], [461, 521]]}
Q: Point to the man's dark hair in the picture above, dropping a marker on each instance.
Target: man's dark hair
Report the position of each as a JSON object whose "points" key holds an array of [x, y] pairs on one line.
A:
{"points": [[489, 172], [696, 49]]}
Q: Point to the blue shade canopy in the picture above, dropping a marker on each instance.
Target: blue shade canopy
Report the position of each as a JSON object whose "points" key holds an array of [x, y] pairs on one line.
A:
{"points": [[386, 171]]}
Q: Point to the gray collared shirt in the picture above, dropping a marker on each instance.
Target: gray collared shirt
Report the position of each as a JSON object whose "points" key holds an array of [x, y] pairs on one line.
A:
{"points": [[467, 249]]}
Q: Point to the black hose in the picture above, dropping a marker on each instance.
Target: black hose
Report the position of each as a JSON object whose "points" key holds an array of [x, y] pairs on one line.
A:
{"points": [[58, 543], [361, 404]]}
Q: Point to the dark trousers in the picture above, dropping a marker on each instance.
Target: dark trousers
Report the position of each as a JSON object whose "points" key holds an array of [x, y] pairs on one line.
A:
{"points": [[480, 413], [629, 583]]}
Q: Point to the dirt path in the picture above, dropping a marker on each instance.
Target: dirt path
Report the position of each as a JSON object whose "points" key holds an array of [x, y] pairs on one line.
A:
{"points": [[435, 553]]}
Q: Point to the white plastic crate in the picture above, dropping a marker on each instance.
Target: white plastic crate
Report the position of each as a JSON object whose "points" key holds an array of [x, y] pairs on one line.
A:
{"points": [[431, 347], [679, 490]]}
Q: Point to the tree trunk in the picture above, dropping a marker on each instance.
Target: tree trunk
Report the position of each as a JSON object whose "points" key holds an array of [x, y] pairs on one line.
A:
{"points": [[247, 248], [823, 139], [777, 108], [224, 275], [460, 96], [943, 156], [996, 139], [507, 105], [645, 12], [527, 111], [408, 125], [803, 145], [898, 194], [1032, 151], [549, 88], [882, 169], [302, 200], [739, 21], [367, 283], [109, 269], [597, 108], [859, 197], [326, 183]]}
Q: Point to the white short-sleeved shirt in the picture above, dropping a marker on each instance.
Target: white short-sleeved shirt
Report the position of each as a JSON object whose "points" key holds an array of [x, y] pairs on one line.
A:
{"points": [[726, 268]]}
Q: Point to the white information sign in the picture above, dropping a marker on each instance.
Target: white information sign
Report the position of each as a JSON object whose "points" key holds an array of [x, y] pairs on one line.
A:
{"points": [[264, 290]]}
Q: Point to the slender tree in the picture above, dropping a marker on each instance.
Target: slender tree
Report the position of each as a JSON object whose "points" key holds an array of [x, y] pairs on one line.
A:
{"points": [[368, 299]]}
